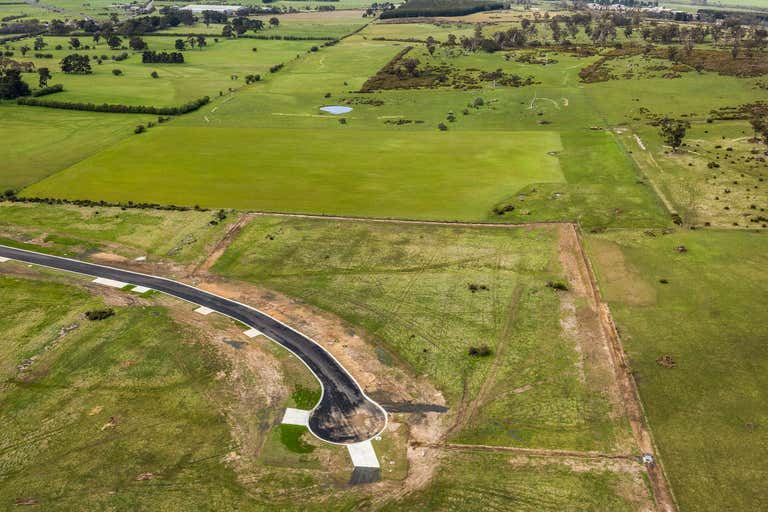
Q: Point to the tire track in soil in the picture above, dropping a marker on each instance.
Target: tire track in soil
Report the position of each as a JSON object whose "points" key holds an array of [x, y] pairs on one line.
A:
{"points": [[467, 410], [223, 244]]}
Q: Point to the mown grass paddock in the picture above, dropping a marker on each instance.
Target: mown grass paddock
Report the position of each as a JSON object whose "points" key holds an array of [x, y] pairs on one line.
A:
{"points": [[380, 173]]}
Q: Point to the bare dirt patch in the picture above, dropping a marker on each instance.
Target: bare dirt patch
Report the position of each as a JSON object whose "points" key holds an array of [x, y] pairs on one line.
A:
{"points": [[619, 277], [581, 322]]}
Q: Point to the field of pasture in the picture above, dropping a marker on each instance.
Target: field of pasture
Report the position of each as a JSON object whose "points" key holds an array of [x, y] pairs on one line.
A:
{"points": [[701, 308]]}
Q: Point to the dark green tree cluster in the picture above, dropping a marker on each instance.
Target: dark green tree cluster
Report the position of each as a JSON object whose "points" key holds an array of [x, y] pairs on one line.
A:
{"points": [[152, 57], [76, 64], [11, 84]]}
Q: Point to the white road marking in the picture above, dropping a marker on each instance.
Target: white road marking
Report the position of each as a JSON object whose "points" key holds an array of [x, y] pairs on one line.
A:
{"points": [[252, 333], [204, 310], [140, 289], [110, 282], [363, 455], [296, 417]]}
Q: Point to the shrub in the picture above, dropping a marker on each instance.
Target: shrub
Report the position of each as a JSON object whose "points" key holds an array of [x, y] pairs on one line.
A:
{"points": [[117, 72], [99, 314], [48, 90], [154, 74], [557, 285], [442, 127], [481, 351]]}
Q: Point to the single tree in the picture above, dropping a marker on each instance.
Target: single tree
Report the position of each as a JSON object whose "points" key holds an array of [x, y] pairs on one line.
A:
{"points": [[24, 49], [274, 22], [74, 43], [114, 41], [137, 44], [180, 45], [673, 131], [44, 74], [39, 44], [201, 41]]}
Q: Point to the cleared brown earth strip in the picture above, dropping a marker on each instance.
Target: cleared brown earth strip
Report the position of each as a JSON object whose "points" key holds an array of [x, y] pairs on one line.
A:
{"points": [[635, 413], [222, 244]]}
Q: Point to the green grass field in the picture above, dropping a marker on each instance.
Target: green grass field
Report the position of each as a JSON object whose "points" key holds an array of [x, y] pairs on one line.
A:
{"points": [[39, 142], [80, 232], [480, 482], [205, 72], [461, 177], [407, 285], [83, 421], [707, 413], [585, 177], [333, 24]]}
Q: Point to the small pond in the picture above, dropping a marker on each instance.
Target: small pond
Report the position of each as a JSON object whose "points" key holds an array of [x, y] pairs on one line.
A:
{"points": [[336, 109]]}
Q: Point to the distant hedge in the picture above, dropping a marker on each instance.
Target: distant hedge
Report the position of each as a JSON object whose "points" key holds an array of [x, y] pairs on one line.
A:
{"points": [[118, 109], [45, 91], [11, 197], [429, 8]]}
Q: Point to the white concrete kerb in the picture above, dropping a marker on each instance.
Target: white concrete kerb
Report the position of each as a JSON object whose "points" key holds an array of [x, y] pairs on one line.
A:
{"points": [[252, 333], [363, 455], [110, 282], [204, 310], [296, 417], [140, 289]]}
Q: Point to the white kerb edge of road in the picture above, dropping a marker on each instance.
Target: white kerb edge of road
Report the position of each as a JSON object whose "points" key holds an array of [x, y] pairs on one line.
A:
{"points": [[363, 455]]}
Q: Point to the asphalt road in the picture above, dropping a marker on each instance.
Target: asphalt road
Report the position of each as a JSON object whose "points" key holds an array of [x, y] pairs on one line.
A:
{"points": [[344, 415]]}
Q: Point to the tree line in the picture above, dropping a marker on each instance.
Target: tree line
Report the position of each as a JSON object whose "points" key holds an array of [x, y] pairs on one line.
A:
{"points": [[116, 108]]}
